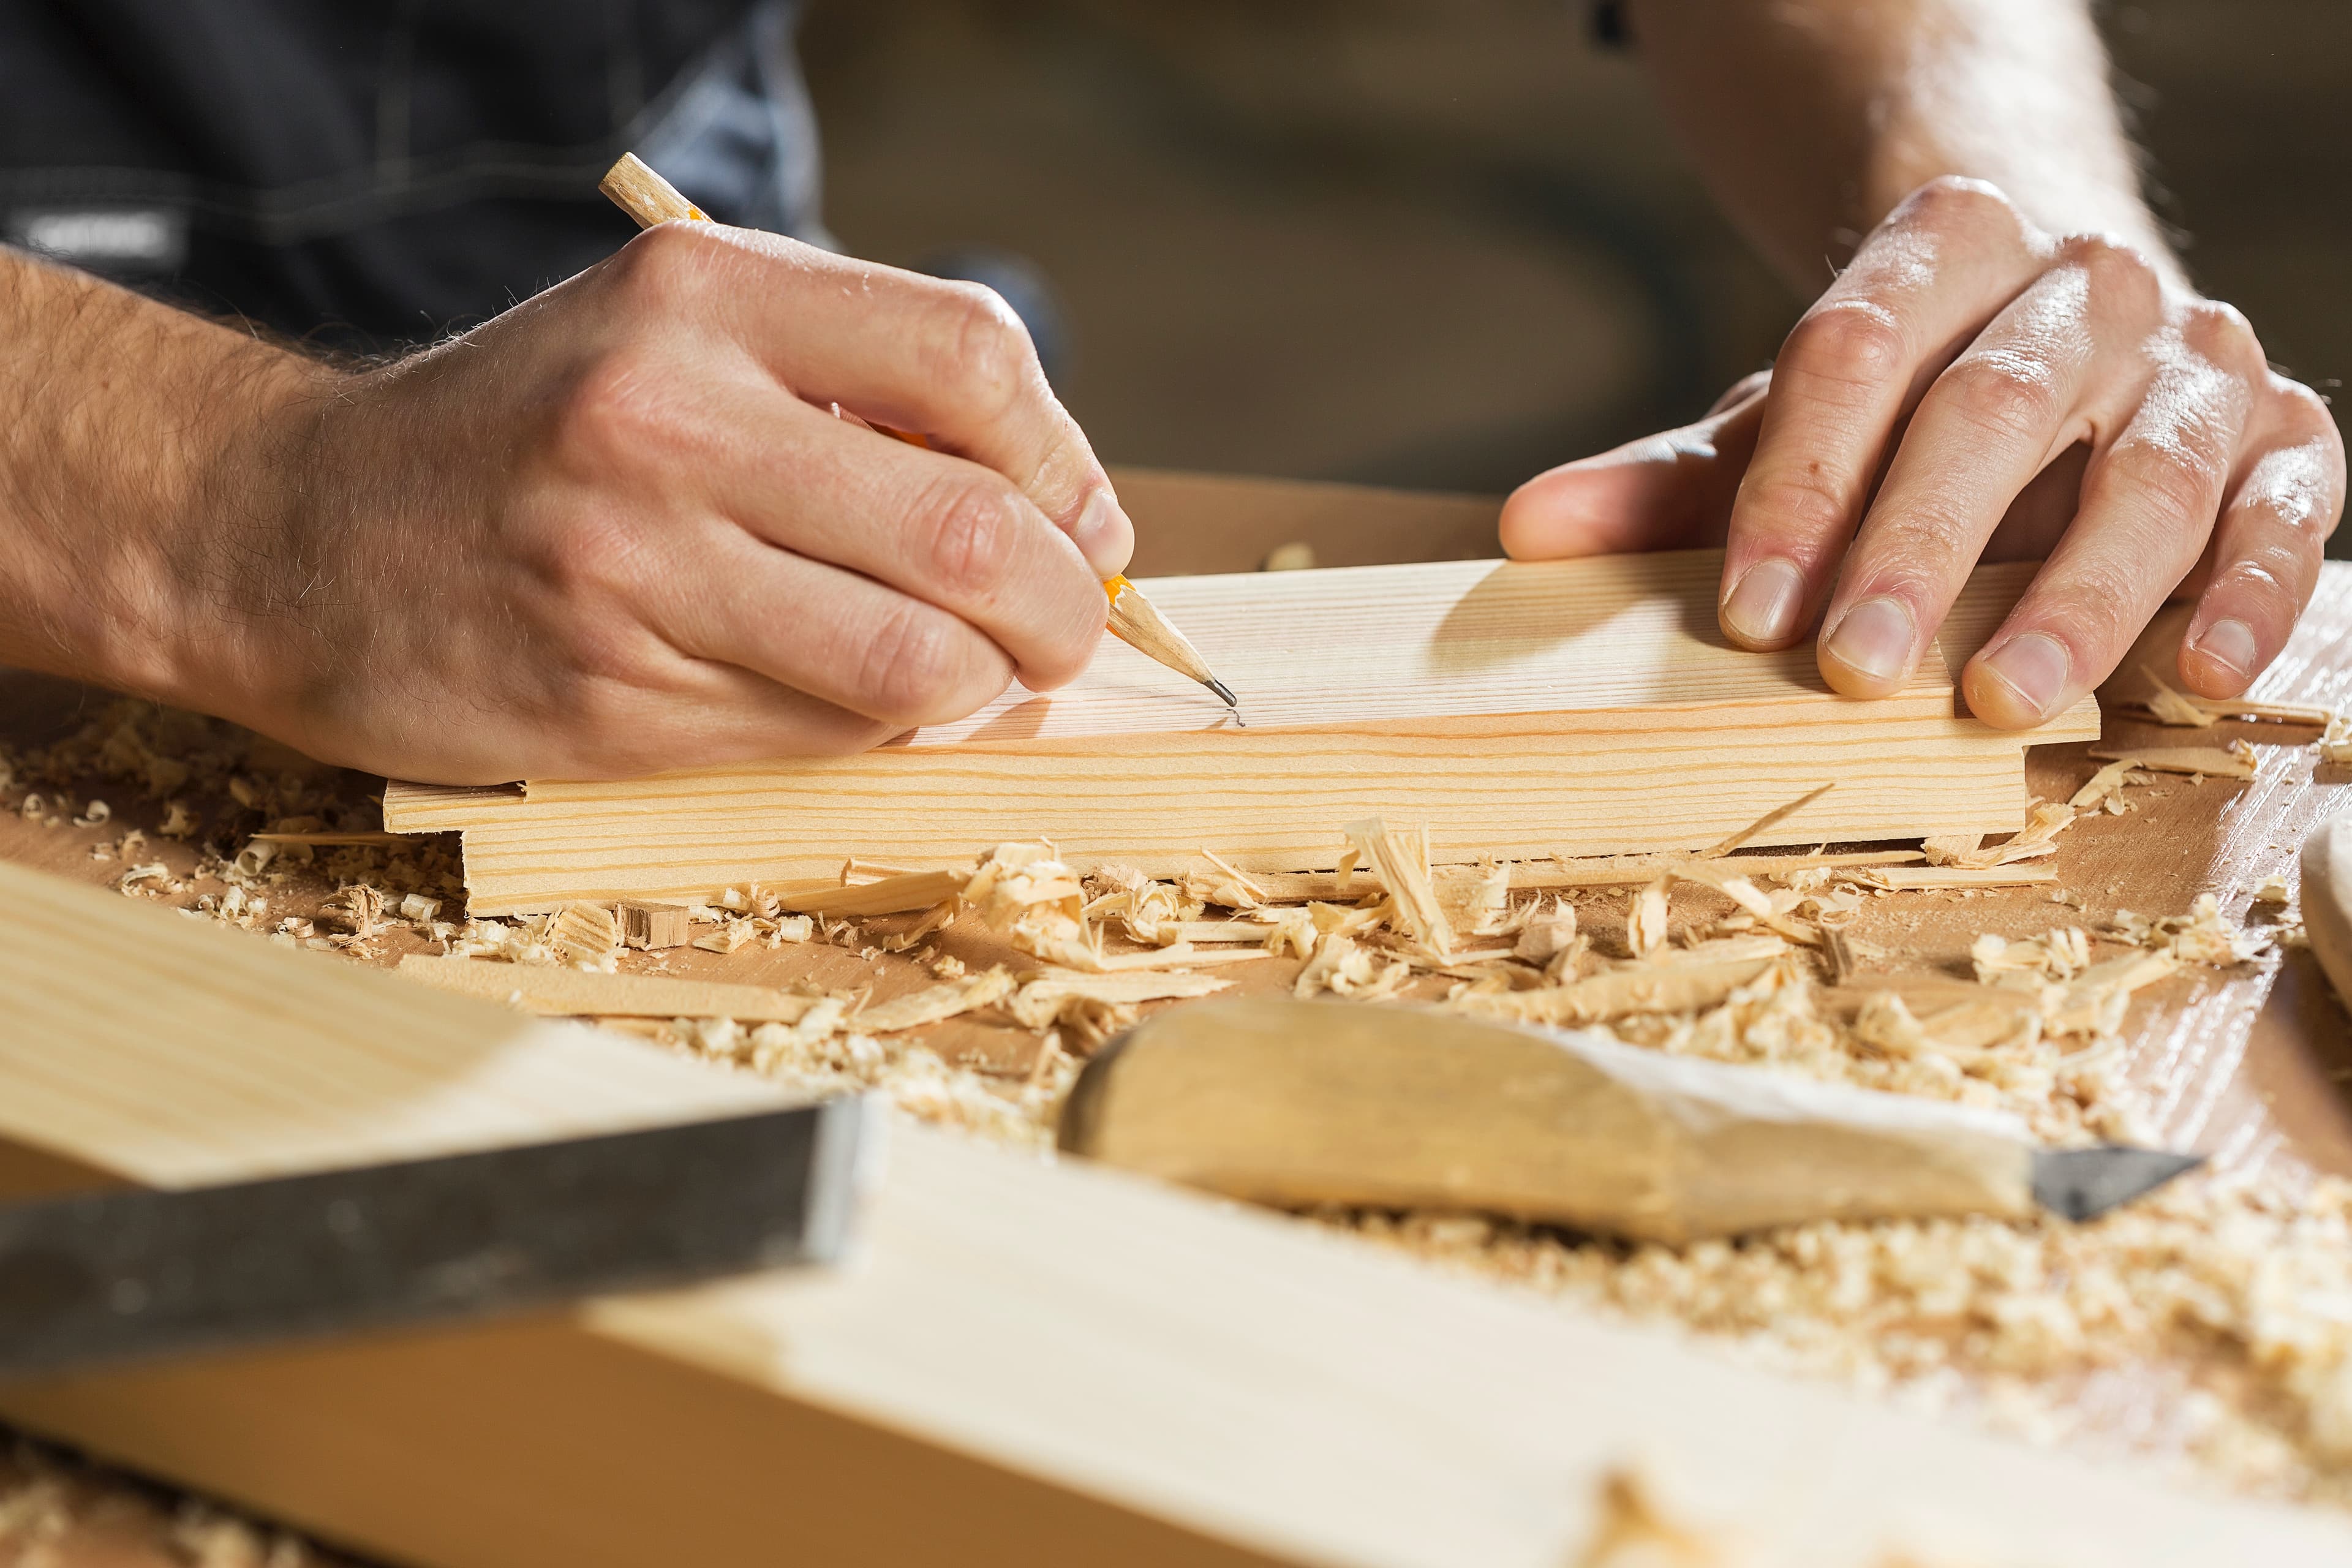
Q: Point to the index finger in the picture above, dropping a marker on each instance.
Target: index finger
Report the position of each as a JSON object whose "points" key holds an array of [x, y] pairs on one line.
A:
{"points": [[948, 361]]}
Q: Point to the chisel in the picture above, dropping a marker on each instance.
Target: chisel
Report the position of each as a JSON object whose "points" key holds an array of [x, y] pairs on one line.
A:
{"points": [[1302, 1103], [135, 1273]]}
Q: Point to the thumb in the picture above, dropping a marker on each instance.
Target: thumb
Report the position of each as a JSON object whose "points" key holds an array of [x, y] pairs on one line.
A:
{"points": [[1669, 492]]}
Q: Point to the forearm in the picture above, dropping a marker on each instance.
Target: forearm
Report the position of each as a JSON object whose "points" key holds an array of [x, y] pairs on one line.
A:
{"points": [[1812, 119], [132, 436]]}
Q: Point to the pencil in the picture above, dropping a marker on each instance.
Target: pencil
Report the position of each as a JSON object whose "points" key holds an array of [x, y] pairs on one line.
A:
{"points": [[646, 196]]}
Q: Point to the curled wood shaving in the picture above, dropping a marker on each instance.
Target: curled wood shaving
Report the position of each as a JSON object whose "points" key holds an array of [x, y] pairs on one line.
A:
{"points": [[1341, 967]]}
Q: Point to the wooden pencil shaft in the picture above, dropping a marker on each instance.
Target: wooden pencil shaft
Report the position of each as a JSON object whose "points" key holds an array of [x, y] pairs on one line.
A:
{"points": [[1136, 621], [634, 187]]}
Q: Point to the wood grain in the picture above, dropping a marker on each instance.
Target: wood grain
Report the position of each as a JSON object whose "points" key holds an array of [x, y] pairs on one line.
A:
{"points": [[1581, 708], [1062, 1364]]}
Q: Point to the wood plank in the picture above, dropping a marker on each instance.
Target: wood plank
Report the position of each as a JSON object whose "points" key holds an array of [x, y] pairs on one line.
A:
{"points": [[1518, 709], [1127, 1373]]}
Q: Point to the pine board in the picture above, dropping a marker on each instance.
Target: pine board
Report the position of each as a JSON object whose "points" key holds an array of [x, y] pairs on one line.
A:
{"points": [[1516, 708], [1029, 1362]]}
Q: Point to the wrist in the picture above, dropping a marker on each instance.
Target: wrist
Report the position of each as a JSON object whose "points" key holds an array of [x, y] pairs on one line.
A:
{"points": [[228, 568]]}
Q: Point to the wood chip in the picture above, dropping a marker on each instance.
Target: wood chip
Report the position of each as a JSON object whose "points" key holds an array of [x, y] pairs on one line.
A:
{"points": [[1772, 818], [654, 926], [586, 993], [1400, 861], [1924, 878], [1613, 994], [934, 1003], [585, 933], [897, 895], [2207, 762]]}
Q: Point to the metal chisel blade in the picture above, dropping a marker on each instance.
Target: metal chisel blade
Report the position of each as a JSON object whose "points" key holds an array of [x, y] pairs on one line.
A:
{"points": [[2084, 1183], [120, 1273]]}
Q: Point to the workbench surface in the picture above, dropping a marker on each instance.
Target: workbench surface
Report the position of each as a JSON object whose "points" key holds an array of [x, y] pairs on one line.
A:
{"points": [[2248, 1063]]}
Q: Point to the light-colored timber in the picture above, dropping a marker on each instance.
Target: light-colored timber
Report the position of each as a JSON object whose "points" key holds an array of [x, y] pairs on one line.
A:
{"points": [[1515, 709], [558, 992], [1027, 1363]]}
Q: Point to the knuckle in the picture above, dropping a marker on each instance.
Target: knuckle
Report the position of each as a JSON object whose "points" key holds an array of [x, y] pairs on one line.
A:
{"points": [[973, 531], [2303, 409], [913, 663], [2180, 485], [668, 268], [615, 416], [2005, 392], [2221, 333], [1959, 202], [2117, 268], [1851, 342], [1805, 509], [983, 351]]}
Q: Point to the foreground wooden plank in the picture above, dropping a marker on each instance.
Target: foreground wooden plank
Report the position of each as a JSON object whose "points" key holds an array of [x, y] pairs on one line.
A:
{"points": [[1029, 1363], [1583, 708]]}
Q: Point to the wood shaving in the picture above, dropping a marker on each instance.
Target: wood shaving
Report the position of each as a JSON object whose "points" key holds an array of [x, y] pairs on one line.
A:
{"points": [[1646, 917], [2170, 706], [937, 1003], [1341, 967], [1772, 818], [1400, 861], [1041, 995], [2237, 762], [586, 934]]}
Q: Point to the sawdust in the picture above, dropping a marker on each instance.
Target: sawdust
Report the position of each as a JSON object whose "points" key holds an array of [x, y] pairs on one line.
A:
{"points": [[2234, 1301], [2224, 1312]]}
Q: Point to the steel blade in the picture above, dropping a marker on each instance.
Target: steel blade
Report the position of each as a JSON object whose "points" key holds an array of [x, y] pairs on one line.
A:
{"points": [[2084, 1183], [101, 1276]]}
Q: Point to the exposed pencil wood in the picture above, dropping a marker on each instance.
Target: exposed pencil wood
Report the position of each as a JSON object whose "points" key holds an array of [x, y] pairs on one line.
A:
{"points": [[1065, 1364], [586, 993], [644, 196], [1519, 710]]}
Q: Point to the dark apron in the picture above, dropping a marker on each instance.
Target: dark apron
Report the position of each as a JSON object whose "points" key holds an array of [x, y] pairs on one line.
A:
{"points": [[372, 173]]}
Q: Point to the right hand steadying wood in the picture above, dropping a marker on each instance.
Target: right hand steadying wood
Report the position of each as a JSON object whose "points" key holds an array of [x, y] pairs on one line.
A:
{"points": [[612, 531]]}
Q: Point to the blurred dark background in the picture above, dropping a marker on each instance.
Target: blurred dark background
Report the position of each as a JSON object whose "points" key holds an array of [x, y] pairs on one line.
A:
{"points": [[1446, 243]]}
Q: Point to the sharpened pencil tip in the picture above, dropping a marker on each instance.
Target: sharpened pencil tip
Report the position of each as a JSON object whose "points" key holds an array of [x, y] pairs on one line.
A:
{"points": [[1225, 695]]}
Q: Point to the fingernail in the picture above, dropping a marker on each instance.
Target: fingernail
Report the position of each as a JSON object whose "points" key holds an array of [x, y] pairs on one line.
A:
{"points": [[1763, 604], [1874, 640], [2230, 644], [2036, 667], [1097, 526]]}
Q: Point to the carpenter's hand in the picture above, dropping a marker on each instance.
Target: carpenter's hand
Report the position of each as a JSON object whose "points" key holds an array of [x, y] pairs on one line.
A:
{"points": [[1974, 387], [617, 529]]}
